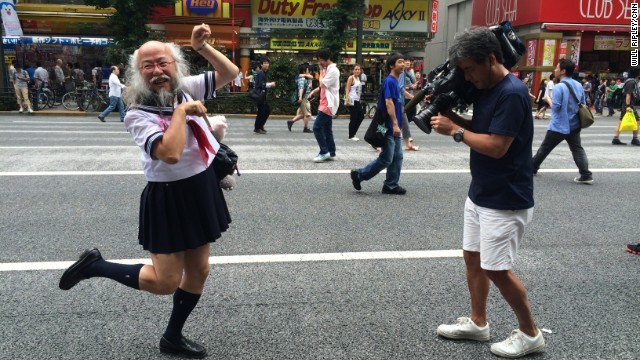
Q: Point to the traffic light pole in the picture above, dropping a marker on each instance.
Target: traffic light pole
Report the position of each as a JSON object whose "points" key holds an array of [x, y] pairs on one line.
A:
{"points": [[359, 35]]}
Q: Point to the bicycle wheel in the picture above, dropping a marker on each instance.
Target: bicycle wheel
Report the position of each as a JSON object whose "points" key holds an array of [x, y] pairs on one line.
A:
{"points": [[84, 102], [50, 99], [41, 101], [372, 111], [70, 101], [57, 98]]}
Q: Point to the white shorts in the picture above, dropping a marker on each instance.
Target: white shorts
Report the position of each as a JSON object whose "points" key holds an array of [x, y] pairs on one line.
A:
{"points": [[495, 234]]}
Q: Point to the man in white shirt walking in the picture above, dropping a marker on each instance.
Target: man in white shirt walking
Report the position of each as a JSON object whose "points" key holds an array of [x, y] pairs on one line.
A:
{"points": [[329, 102], [115, 95]]}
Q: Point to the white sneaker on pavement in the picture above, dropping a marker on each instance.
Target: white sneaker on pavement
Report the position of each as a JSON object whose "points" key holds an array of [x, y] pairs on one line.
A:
{"points": [[321, 157], [464, 329], [518, 344], [21, 110]]}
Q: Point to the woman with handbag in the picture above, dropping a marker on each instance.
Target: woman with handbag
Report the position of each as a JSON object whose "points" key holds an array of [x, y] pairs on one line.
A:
{"points": [[543, 105], [352, 102]]}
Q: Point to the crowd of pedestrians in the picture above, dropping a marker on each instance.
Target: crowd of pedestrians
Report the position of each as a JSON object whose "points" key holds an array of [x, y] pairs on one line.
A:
{"points": [[182, 207]]}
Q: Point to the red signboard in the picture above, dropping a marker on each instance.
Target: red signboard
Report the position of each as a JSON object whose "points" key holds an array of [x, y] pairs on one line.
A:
{"points": [[434, 17], [521, 12]]}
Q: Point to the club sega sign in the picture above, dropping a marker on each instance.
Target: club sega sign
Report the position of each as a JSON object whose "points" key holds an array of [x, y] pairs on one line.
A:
{"points": [[202, 7]]}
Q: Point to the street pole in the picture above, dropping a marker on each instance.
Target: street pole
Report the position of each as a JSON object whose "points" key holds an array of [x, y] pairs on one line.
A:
{"points": [[233, 42], [3, 65], [359, 33]]}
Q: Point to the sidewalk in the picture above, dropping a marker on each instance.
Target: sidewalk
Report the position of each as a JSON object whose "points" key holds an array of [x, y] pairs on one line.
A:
{"points": [[64, 112]]}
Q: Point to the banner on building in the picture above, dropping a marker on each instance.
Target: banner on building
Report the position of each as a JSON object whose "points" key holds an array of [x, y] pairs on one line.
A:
{"points": [[314, 44], [10, 18], [379, 15], [570, 49], [549, 52], [612, 42]]}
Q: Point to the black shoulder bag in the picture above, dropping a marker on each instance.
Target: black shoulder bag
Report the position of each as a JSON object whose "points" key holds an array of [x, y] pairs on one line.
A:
{"points": [[376, 134]]}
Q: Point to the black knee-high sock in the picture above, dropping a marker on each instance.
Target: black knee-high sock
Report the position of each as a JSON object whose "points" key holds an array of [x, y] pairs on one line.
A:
{"points": [[183, 304], [124, 274]]}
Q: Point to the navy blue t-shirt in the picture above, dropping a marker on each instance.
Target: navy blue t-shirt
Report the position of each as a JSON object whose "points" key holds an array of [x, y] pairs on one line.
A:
{"points": [[390, 89], [506, 183]]}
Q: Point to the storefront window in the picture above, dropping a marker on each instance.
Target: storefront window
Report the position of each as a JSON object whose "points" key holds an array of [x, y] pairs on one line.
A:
{"points": [[56, 2]]}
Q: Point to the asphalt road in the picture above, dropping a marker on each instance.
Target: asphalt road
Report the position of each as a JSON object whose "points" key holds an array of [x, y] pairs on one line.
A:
{"points": [[352, 290]]}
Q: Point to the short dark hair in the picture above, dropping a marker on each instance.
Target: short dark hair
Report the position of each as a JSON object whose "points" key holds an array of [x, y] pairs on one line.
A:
{"points": [[477, 44], [391, 60], [324, 54], [302, 68], [264, 60], [567, 65]]}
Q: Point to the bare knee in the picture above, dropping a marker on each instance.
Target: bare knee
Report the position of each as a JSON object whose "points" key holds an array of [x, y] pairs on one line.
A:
{"points": [[498, 277], [198, 273], [167, 285]]}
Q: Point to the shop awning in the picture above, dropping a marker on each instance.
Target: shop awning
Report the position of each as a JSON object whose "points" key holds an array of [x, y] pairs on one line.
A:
{"points": [[585, 27]]}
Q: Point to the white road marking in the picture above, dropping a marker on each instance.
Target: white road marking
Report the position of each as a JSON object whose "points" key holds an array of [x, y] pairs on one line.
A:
{"points": [[70, 147], [258, 259], [267, 172], [65, 131]]}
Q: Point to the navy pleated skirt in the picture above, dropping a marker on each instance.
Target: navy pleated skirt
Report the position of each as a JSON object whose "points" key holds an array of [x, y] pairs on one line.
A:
{"points": [[183, 214]]}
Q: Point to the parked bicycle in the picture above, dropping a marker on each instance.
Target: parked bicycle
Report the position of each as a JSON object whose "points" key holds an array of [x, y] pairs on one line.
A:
{"points": [[368, 108], [91, 98]]}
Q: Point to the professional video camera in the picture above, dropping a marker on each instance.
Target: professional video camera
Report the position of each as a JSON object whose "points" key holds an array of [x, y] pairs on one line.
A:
{"points": [[448, 86]]}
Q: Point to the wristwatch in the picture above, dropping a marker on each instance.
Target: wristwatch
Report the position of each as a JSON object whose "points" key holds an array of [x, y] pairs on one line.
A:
{"points": [[457, 137]]}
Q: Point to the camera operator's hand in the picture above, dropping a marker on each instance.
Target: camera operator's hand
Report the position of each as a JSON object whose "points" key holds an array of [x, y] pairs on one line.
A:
{"points": [[443, 125]]}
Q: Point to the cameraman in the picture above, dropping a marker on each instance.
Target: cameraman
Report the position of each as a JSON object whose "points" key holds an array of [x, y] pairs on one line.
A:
{"points": [[500, 198]]}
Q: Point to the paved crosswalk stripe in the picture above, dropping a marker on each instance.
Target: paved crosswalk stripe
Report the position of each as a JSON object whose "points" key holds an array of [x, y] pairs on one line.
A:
{"points": [[256, 259]]}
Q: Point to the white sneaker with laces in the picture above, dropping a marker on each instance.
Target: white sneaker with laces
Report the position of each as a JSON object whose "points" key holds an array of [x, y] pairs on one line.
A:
{"points": [[518, 344], [465, 329], [321, 157]]}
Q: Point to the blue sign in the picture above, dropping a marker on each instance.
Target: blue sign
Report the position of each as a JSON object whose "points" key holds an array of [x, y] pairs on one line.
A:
{"points": [[12, 41], [202, 7]]}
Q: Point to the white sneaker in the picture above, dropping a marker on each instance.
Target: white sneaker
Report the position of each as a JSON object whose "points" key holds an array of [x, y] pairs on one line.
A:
{"points": [[30, 111], [21, 110], [332, 157], [518, 344], [354, 139], [321, 157], [464, 328]]}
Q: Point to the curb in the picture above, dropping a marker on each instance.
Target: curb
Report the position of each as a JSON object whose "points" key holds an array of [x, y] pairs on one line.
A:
{"points": [[95, 114]]}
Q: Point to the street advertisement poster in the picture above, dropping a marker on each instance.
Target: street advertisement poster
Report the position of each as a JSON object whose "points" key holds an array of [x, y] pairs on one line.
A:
{"points": [[531, 52], [612, 42], [384, 46], [379, 15], [10, 18], [570, 48], [549, 53]]}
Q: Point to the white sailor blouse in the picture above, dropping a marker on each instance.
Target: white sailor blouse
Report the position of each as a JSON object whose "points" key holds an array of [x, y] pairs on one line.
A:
{"points": [[148, 122]]}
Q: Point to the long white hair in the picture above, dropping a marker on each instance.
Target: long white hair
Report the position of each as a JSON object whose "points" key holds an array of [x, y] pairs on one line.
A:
{"points": [[138, 90]]}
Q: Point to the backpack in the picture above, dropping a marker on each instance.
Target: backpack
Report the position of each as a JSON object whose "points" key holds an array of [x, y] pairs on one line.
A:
{"points": [[99, 76], [636, 91], [294, 92], [52, 75]]}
